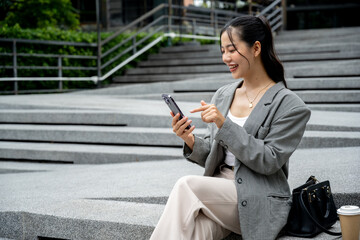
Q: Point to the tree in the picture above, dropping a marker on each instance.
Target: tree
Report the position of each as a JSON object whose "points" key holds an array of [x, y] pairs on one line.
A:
{"points": [[42, 14]]}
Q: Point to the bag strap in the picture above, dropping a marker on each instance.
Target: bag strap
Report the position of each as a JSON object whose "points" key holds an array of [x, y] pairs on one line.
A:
{"points": [[314, 220]]}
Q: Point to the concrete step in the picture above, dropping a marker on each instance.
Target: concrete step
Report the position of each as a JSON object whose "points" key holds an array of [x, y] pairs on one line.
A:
{"points": [[335, 107], [319, 120], [190, 48], [213, 82], [349, 34], [88, 118], [329, 55], [287, 51], [309, 96], [311, 69], [221, 68], [325, 139], [158, 78], [308, 69], [186, 55], [149, 136], [330, 96], [321, 46], [83, 153], [125, 201], [55, 227], [304, 55], [333, 121], [335, 83], [92, 134], [182, 62]]}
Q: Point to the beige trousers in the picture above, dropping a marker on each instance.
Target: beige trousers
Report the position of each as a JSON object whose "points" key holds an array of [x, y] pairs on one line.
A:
{"points": [[200, 208]]}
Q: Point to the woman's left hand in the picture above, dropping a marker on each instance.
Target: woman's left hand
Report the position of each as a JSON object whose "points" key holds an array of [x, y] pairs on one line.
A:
{"points": [[210, 114]]}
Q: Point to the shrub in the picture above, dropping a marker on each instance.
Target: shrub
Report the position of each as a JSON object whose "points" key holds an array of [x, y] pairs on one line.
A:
{"points": [[61, 35], [43, 14]]}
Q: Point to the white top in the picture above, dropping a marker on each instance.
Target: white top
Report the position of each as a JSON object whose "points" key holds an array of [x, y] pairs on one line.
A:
{"points": [[229, 157]]}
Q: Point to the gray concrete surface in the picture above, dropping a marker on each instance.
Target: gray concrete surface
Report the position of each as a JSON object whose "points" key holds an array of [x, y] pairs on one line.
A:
{"points": [[83, 153], [309, 96], [118, 195], [144, 136]]}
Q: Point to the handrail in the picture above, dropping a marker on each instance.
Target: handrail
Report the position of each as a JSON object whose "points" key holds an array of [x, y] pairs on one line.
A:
{"points": [[270, 7], [49, 55], [208, 19], [273, 13], [133, 23], [131, 37], [147, 47], [131, 48], [47, 42]]}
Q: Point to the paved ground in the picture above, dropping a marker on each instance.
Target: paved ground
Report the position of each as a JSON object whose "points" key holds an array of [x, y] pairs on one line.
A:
{"points": [[124, 201], [135, 193]]}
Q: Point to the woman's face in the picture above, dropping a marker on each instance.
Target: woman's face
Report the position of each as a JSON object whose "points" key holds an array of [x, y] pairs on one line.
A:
{"points": [[239, 66]]}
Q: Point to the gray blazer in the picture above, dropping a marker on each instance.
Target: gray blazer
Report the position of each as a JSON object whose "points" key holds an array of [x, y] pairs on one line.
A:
{"points": [[263, 148]]}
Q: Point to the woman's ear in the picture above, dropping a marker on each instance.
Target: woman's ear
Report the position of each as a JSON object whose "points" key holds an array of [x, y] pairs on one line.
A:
{"points": [[257, 48]]}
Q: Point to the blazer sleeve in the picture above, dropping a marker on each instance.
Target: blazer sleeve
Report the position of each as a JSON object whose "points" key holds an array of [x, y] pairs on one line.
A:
{"points": [[202, 145], [266, 156], [200, 150]]}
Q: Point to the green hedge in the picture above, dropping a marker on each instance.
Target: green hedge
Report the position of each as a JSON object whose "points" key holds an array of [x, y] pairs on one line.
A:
{"points": [[56, 34], [61, 35]]}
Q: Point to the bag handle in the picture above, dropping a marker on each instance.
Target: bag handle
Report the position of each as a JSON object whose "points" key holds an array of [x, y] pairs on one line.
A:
{"points": [[314, 220]]}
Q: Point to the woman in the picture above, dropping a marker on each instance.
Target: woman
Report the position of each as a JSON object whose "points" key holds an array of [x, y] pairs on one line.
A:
{"points": [[253, 128]]}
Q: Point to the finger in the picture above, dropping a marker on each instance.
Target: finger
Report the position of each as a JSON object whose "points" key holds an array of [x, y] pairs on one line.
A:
{"points": [[191, 129], [207, 118], [187, 132], [175, 119], [172, 114], [209, 115], [179, 124], [182, 128], [210, 110], [204, 106], [199, 109]]}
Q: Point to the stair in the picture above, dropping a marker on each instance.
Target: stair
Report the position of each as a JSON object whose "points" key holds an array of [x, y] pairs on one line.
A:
{"points": [[123, 158]]}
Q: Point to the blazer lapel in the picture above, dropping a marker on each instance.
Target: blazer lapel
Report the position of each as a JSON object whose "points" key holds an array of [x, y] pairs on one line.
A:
{"points": [[261, 109], [226, 99]]}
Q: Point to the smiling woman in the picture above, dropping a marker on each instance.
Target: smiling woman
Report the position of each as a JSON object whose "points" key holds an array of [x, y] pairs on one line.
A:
{"points": [[254, 125]]}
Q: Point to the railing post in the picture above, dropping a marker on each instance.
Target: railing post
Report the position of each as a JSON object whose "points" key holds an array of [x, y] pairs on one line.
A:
{"points": [[60, 73], [134, 42], [216, 24], [284, 14], [250, 7], [169, 21], [194, 26], [16, 87], [169, 15], [98, 43], [212, 15]]}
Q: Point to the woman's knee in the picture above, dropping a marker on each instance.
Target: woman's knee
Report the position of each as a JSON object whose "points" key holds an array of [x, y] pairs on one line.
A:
{"points": [[190, 182], [184, 181]]}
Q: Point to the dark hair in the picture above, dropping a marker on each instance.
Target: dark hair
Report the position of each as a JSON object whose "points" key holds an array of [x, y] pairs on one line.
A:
{"points": [[251, 29]]}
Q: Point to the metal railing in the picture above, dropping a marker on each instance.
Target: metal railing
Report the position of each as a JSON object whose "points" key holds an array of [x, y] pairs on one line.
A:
{"points": [[274, 14], [164, 21]]}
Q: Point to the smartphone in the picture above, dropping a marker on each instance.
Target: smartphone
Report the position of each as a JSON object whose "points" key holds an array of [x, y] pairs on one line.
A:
{"points": [[173, 106]]}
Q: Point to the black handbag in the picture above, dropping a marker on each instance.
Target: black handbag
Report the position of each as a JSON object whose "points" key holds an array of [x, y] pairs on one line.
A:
{"points": [[313, 210]]}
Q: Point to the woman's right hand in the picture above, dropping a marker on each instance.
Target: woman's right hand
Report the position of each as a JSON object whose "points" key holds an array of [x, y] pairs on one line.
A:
{"points": [[179, 128]]}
